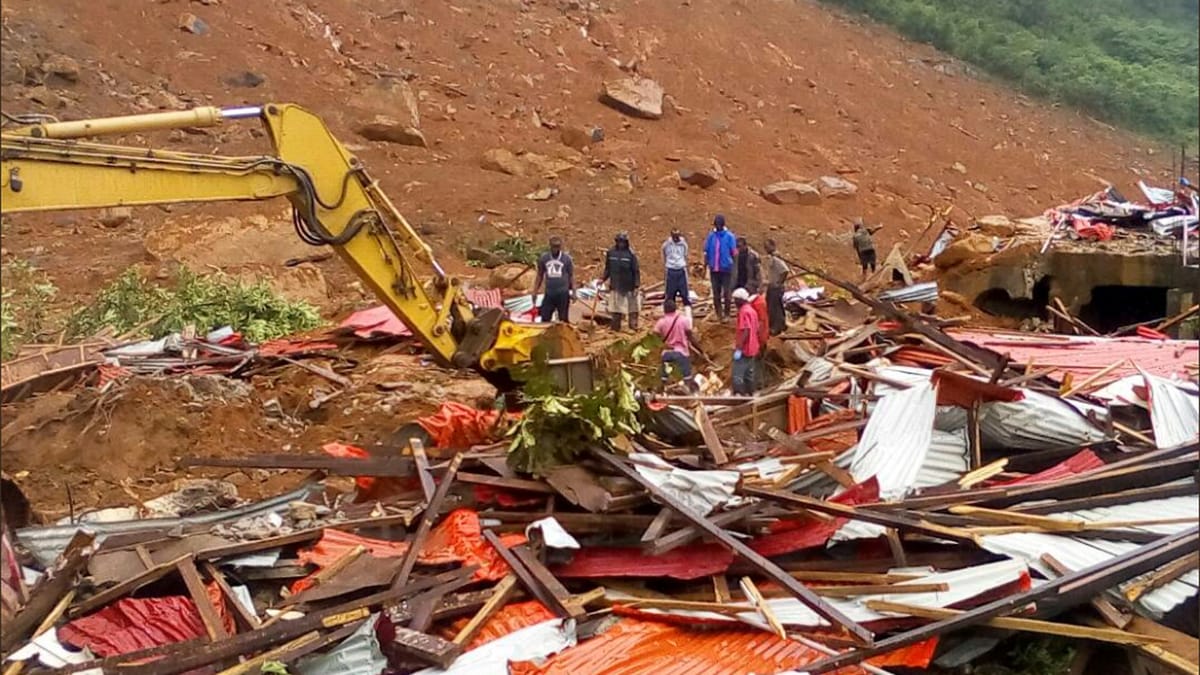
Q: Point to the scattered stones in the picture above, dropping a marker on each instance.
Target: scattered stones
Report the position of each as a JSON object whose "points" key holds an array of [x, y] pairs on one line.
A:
{"points": [[542, 194], [389, 130], [62, 68], [115, 216], [634, 96], [244, 79], [791, 192], [999, 226], [958, 167], [835, 187], [44, 96], [701, 171], [192, 24], [503, 161]]}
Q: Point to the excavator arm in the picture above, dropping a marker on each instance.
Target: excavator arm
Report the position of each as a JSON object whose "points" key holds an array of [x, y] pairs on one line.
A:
{"points": [[335, 202]]}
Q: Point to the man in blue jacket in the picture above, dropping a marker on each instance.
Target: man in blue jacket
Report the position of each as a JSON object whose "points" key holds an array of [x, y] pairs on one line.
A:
{"points": [[719, 250]]}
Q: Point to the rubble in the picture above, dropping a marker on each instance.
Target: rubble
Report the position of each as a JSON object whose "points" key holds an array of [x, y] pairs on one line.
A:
{"points": [[904, 484], [637, 97]]}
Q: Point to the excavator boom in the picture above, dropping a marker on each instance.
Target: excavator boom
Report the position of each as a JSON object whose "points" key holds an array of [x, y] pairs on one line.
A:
{"points": [[46, 166]]}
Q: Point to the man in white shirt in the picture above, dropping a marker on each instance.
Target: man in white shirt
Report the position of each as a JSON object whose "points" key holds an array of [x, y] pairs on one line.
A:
{"points": [[675, 256]]}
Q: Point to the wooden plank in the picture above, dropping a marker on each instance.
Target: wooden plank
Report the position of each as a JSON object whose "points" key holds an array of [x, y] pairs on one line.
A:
{"points": [[548, 581], [851, 577], [124, 588], [417, 541], [1074, 587], [1041, 522], [765, 566], [760, 604], [1010, 623], [253, 663], [540, 583], [690, 532], [242, 616], [1190, 487], [896, 546], [425, 647], [686, 605], [721, 588], [424, 473], [48, 593], [520, 484], [341, 466], [501, 594], [1111, 614], [195, 587], [660, 522], [711, 440], [865, 515], [1161, 577]]}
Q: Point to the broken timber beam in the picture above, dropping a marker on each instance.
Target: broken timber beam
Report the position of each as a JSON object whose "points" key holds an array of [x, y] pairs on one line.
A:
{"points": [[340, 466], [765, 566], [45, 596], [865, 515], [427, 519], [1064, 591], [534, 576]]}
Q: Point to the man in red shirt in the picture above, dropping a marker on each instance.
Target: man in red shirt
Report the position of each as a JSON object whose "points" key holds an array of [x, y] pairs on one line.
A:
{"points": [[758, 301], [747, 344]]}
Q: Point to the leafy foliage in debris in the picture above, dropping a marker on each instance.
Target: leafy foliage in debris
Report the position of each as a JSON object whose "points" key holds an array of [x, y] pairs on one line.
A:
{"points": [[1040, 655], [514, 250], [27, 291], [131, 303], [556, 428], [1128, 61]]}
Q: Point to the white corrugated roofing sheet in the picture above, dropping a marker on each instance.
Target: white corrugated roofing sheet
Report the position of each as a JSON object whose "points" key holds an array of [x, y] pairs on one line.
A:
{"points": [[896, 440], [1076, 554], [534, 642], [1037, 422], [1174, 413], [358, 654]]}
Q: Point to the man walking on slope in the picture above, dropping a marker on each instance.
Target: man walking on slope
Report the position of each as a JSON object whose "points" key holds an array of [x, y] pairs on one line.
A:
{"points": [[675, 257], [746, 345], [864, 244], [777, 275], [556, 268], [719, 250], [621, 268]]}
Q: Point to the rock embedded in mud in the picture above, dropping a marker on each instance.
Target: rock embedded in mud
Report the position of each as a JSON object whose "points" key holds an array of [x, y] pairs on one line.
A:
{"points": [[791, 192], [503, 161], [390, 130], [244, 79], [116, 216], [62, 68], [834, 187], [192, 24], [513, 276], [703, 172], [634, 96]]}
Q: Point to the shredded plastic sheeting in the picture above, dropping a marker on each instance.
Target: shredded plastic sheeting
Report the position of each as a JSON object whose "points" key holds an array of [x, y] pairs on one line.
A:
{"points": [[369, 488], [455, 425], [635, 646], [509, 619], [132, 624], [458, 539], [535, 642], [358, 654]]}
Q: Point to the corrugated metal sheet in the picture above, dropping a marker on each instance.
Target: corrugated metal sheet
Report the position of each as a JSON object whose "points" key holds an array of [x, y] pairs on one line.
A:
{"points": [[896, 440], [535, 642], [923, 292], [634, 646], [1077, 554], [1174, 413], [1085, 356], [1037, 422], [46, 543], [686, 562], [947, 460], [358, 654], [1072, 466]]}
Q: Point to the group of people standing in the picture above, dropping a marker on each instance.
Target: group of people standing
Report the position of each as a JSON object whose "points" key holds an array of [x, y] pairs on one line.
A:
{"points": [[744, 286]]}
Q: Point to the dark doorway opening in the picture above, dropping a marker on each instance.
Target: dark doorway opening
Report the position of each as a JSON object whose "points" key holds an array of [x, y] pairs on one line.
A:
{"points": [[1114, 307], [998, 302]]}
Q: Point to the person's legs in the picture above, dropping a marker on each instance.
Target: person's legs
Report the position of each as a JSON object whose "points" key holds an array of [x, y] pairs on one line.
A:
{"points": [[775, 312], [674, 279], [718, 297], [727, 289], [633, 309], [683, 288], [679, 361], [546, 310], [740, 371], [870, 259], [563, 307]]}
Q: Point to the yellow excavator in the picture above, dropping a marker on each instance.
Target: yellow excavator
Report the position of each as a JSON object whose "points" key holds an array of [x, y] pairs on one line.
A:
{"points": [[46, 166]]}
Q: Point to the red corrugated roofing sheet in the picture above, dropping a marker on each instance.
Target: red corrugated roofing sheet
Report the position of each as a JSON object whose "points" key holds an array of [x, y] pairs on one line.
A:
{"points": [[1072, 466], [1085, 356], [485, 297], [509, 619], [634, 647]]}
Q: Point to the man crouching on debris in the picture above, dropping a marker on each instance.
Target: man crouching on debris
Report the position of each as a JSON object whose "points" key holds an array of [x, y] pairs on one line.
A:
{"points": [[676, 331], [747, 344], [621, 269]]}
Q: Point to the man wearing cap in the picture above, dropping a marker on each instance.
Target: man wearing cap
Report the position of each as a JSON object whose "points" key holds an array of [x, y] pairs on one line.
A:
{"points": [[675, 257], [719, 250], [557, 270], [747, 345], [621, 269]]}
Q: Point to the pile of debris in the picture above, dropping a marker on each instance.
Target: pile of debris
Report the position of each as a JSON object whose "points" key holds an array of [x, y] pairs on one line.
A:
{"points": [[914, 496]]}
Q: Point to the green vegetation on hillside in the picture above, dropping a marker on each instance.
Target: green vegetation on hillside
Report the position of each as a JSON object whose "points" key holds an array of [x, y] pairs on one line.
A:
{"points": [[1129, 62]]}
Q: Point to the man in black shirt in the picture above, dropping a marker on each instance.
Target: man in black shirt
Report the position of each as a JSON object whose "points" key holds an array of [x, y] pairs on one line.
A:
{"points": [[749, 274], [557, 270], [621, 270]]}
